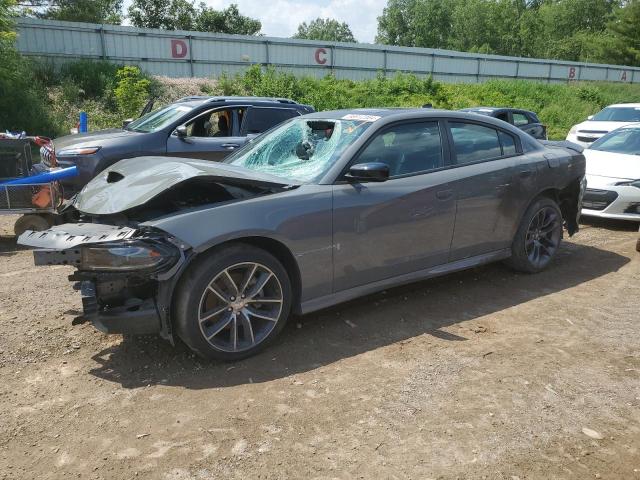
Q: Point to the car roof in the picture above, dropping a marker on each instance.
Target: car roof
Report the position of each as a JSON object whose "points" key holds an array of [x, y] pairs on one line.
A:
{"points": [[197, 100], [390, 114], [624, 105], [494, 109]]}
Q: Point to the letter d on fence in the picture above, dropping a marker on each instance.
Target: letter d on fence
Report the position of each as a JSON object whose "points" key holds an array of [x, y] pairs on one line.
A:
{"points": [[179, 49]]}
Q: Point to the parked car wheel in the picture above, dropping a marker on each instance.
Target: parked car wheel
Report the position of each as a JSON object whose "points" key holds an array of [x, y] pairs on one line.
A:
{"points": [[538, 237], [233, 302], [34, 222]]}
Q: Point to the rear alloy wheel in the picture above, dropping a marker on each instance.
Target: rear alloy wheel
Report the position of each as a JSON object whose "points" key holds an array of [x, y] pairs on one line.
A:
{"points": [[233, 303], [538, 237], [543, 236]]}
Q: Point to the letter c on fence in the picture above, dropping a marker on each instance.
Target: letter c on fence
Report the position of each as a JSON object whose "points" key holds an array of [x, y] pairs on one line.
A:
{"points": [[320, 59], [179, 49], [572, 73]]}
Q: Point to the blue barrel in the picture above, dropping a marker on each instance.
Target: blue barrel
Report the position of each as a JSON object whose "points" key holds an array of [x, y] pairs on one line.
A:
{"points": [[84, 122]]}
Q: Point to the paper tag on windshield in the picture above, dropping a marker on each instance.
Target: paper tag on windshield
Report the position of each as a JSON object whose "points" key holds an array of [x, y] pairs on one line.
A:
{"points": [[362, 118]]}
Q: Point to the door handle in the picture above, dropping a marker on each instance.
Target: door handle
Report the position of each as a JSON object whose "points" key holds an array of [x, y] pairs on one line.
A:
{"points": [[444, 194], [525, 173], [230, 146]]}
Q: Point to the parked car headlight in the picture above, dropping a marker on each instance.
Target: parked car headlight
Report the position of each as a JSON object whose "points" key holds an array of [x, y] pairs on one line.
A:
{"points": [[72, 152], [128, 255], [630, 183], [573, 130]]}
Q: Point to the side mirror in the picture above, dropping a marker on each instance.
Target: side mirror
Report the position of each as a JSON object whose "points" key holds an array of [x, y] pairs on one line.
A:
{"points": [[368, 172], [181, 131], [125, 123], [589, 117]]}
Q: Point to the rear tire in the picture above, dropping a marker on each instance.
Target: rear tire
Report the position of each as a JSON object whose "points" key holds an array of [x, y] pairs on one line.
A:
{"points": [[538, 237], [232, 302]]}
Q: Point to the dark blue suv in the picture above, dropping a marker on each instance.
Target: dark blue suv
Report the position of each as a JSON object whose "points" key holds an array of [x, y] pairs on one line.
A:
{"points": [[197, 127]]}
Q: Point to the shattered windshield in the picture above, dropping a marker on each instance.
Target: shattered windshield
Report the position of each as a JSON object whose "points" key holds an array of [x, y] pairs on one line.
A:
{"points": [[301, 149]]}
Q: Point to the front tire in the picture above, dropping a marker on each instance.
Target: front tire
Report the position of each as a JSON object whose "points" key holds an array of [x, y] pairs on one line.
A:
{"points": [[538, 237], [232, 302]]}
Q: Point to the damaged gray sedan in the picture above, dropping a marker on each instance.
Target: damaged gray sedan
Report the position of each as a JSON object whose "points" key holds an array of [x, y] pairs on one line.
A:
{"points": [[321, 209]]}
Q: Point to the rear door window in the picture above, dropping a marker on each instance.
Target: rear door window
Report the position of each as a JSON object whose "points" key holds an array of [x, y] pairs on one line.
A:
{"points": [[474, 143], [508, 144], [520, 119], [260, 119]]}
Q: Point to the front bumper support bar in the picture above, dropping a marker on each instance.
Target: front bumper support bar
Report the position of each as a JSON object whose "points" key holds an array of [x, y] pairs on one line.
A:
{"points": [[139, 319]]}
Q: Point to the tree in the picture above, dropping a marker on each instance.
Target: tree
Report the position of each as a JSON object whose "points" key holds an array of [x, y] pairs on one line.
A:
{"points": [[91, 11], [23, 103], [226, 21], [7, 38], [417, 23], [165, 14], [624, 41], [183, 15], [326, 29], [562, 29]]}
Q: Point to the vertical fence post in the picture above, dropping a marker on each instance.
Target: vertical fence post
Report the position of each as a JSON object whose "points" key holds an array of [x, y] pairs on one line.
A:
{"points": [[478, 70], [333, 59], [384, 53], [517, 70], [103, 44], [549, 73], [266, 53], [189, 37]]}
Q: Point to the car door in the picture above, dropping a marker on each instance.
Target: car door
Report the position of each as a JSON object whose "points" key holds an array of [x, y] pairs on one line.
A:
{"points": [[483, 162], [211, 135], [382, 230]]}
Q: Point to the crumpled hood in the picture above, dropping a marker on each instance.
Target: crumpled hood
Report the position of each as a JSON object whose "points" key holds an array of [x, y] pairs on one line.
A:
{"points": [[92, 139], [134, 181], [614, 165]]}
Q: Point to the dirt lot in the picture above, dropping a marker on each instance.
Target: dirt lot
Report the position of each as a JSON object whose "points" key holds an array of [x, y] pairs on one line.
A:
{"points": [[482, 374]]}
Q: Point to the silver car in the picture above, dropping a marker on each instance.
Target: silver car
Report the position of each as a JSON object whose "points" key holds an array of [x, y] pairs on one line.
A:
{"points": [[322, 209]]}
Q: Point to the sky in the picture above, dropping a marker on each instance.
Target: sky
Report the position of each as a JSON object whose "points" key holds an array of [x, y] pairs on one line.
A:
{"points": [[280, 18]]}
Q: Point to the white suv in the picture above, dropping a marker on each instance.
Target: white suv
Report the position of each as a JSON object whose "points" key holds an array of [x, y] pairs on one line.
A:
{"points": [[603, 122]]}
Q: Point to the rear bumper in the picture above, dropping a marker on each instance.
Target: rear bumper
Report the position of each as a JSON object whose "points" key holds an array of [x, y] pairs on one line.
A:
{"points": [[134, 320]]}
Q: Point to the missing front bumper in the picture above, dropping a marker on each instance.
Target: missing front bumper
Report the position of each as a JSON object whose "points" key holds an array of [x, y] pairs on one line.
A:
{"points": [[139, 319]]}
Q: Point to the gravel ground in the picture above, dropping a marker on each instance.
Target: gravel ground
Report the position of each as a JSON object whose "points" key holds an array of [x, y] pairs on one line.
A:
{"points": [[480, 374]]}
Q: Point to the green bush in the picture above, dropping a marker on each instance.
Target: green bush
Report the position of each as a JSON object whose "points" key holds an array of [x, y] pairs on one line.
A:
{"points": [[94, 78], [132, 91], [109, 94], [23, 100]]}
